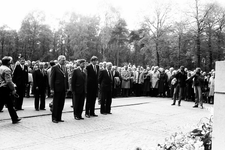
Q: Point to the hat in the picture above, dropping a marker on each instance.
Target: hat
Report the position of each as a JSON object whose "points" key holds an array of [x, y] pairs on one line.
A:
{"points": [[81, 60], [93, 58]]}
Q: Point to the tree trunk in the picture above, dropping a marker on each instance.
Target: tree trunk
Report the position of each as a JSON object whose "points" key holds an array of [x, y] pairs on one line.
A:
{"points": [[198, 44], [179, 49], [219, 41], [118, 54], [157, 53], [210, 50], [3, 47]]}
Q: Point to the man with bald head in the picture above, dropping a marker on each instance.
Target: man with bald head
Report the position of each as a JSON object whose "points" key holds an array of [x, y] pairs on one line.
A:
{"points": [[59, 86], [105, 80]]}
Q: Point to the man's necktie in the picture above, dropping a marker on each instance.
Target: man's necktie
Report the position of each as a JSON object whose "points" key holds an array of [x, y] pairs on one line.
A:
{"points": [[110, 75], [95, 69]]}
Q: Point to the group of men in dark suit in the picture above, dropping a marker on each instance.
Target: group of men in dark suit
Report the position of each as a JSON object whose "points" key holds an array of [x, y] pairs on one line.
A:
{"points": [[84, 83]]}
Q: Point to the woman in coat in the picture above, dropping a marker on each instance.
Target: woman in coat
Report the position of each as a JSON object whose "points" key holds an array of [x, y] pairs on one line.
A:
{"points": [[125, 75]]}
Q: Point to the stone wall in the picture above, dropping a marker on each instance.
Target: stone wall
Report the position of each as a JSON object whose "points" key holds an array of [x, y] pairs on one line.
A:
{"points": [[219, 108]]}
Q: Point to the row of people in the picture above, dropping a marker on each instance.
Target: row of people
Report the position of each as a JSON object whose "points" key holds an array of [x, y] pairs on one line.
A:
{"points": [[126, 81]]}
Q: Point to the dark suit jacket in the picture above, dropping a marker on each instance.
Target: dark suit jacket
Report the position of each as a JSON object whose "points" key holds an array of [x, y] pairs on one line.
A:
{"points": [[20, 77], [40, 80], [105, 81], [115, 73], [78, 81], [92, 77], [58, 79]]}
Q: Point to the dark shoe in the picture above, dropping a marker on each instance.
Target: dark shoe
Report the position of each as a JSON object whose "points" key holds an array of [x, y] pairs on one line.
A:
{"points": [[88, 116], [202, 107], [196, 106], [77, 118], [61, 121], [81, 118], [54, 121], [16, 121], [178, 104], [104, 113], [37, 109], [109, 113], [172, 104], [94, 115], [43, 109]]}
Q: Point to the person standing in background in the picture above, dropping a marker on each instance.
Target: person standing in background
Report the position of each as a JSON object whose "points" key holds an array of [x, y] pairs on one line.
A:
{"points": [[197, 82], [52, 63], [59, 86], [40, 82], [125, 75], [20, 78], [181, 77], [155, 81]]}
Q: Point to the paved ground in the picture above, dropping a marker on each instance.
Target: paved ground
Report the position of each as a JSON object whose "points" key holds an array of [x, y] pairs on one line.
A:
{"points": [[135, 122]]}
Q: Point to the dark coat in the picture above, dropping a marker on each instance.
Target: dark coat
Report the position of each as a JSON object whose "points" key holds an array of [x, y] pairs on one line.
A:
{"points": [[40, 80], [92, 77], [181, 78], [78, 82], [105, 81], [20, 77], [58, 79]]}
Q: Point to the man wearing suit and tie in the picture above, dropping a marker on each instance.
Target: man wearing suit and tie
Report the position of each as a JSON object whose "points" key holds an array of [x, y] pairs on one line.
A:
{"points": [[105, 81], [78, 85], [40, 82], [20, 78], [116, 82], [59, 86], [92, 87]]}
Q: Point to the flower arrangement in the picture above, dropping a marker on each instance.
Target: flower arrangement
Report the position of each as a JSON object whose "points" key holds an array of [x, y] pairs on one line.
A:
{"points": [[198, 139]]}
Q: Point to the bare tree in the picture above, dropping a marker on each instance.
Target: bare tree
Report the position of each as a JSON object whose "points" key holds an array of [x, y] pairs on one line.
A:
{"points": [[157, 26], [200, 15]]}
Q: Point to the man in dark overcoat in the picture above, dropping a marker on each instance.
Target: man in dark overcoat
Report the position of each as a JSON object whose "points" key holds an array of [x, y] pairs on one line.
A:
{"points": [[78, 85], [20, 78], [40, 82], [105, 80], [92, 87], [59, 86]]}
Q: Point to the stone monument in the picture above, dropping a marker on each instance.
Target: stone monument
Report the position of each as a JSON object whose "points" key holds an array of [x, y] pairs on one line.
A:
{"points": [[218, 139]]}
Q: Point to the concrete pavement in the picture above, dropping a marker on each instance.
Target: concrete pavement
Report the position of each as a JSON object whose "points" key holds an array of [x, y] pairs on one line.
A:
{"points": [[135, 122]]}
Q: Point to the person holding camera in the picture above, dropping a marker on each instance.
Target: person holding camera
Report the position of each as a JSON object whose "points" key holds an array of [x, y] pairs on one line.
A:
{"points": [[7, 88], [181, 77], [197, 82]]}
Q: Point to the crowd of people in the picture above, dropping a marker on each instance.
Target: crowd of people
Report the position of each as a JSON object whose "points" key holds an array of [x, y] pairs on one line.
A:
{"points": [[93, 80]]}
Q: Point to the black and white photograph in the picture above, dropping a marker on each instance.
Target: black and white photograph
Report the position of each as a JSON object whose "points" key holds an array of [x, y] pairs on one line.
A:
{"points": [[112, 74]]}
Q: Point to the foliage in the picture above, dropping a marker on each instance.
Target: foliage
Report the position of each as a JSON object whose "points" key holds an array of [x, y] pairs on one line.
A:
{"points": [[197, 40]]}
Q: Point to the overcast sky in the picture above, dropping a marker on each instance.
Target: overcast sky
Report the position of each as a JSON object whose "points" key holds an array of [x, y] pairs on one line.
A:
{"points": [[12, 12]]}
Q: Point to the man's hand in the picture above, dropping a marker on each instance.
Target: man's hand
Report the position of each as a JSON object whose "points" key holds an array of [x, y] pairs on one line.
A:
{"points": [[52, 91], [14, 92]]}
